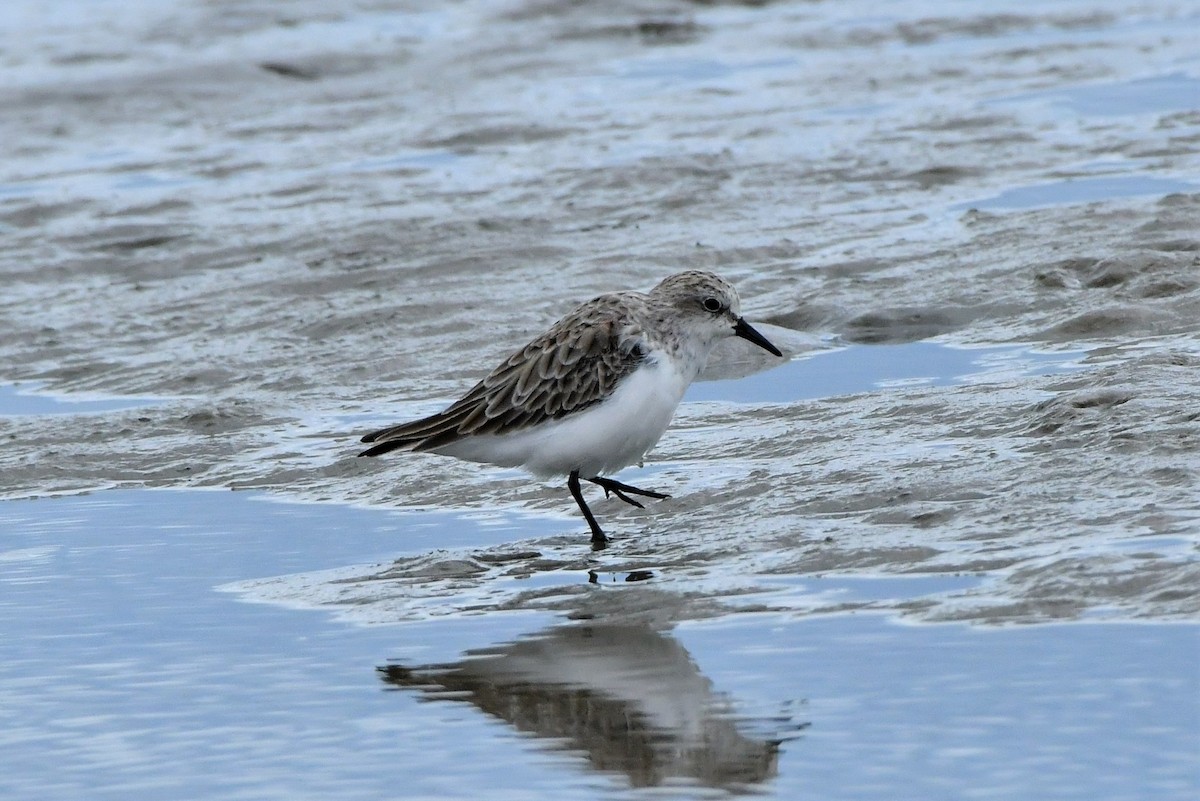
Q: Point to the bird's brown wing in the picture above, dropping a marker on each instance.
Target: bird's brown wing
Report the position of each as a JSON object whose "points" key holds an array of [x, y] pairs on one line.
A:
{"points": [[573, 365]]}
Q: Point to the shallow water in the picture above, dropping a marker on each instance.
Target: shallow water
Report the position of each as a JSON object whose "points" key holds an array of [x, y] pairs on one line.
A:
{"points": [[124, 668], [1080, 190], [865, 368], [26, 399]]}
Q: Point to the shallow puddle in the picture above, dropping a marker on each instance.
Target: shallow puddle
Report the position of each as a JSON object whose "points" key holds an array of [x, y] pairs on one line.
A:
{"points": [[1080, 190], [27, 398], [1156, 94], [124, 669], [865, 368]]}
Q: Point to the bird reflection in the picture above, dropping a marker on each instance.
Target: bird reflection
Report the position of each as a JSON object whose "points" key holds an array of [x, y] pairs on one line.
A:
{"points": [[628, 697]]}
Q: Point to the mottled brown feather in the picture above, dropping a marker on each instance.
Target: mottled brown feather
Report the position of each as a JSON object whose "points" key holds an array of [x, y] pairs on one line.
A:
{"points": [[578, 362]]}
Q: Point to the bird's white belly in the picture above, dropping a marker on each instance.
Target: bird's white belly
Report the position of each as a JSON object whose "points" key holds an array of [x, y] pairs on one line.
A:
{"points": [[601, 439]]}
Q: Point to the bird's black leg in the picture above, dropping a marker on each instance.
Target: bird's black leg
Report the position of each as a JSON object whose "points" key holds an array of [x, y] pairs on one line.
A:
{"points": [[598, 538], [619, 489]]}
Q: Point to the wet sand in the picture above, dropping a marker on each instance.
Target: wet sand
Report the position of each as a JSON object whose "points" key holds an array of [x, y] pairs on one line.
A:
{"points": [[239, 236]]}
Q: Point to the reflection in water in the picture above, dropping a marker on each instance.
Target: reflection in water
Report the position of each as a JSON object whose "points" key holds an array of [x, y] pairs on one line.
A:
{"points": [[631, 699]]}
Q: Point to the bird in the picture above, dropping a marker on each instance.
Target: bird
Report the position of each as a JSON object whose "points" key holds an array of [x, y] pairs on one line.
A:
{"points": [[592, 394]]}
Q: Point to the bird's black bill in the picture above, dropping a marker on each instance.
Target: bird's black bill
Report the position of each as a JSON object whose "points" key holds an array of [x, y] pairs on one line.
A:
{"points": [[744, 330]]}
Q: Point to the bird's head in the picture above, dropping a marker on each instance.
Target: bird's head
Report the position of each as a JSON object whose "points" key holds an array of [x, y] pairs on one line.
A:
{"points": [[708, 308]]}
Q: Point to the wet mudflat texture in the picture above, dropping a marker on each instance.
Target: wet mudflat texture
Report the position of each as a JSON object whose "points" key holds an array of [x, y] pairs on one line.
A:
{"points": [[238, 235], [301, 223]]}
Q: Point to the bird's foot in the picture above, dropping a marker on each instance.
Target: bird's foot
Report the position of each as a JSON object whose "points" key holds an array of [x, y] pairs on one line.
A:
{"points": [[619, 489]]}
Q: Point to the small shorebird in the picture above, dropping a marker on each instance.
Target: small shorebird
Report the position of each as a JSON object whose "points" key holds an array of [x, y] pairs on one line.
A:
{"points": [[591, 395]]}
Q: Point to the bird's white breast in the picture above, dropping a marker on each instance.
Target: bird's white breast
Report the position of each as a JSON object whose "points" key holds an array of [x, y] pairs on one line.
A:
{"points": [[601, 439]]}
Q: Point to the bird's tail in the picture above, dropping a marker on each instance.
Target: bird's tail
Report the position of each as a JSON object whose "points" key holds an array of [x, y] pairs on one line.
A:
{"points": [[385, 447], [418, 435]]}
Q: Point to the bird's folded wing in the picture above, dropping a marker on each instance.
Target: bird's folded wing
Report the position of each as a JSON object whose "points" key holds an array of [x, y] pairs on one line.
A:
{"points": [[576, 363]]}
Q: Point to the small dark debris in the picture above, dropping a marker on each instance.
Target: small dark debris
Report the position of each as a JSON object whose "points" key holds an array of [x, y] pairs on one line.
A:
{"points": [[140, 243], [660, 31], [512, 556], [289, 70]]}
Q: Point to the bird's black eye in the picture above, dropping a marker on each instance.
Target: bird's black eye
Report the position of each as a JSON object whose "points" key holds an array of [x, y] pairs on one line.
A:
{"points": [[712, 305]]}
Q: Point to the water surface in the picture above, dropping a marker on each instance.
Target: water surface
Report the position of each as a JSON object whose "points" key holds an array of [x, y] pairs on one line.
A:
{"points": [[124, 669]]}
